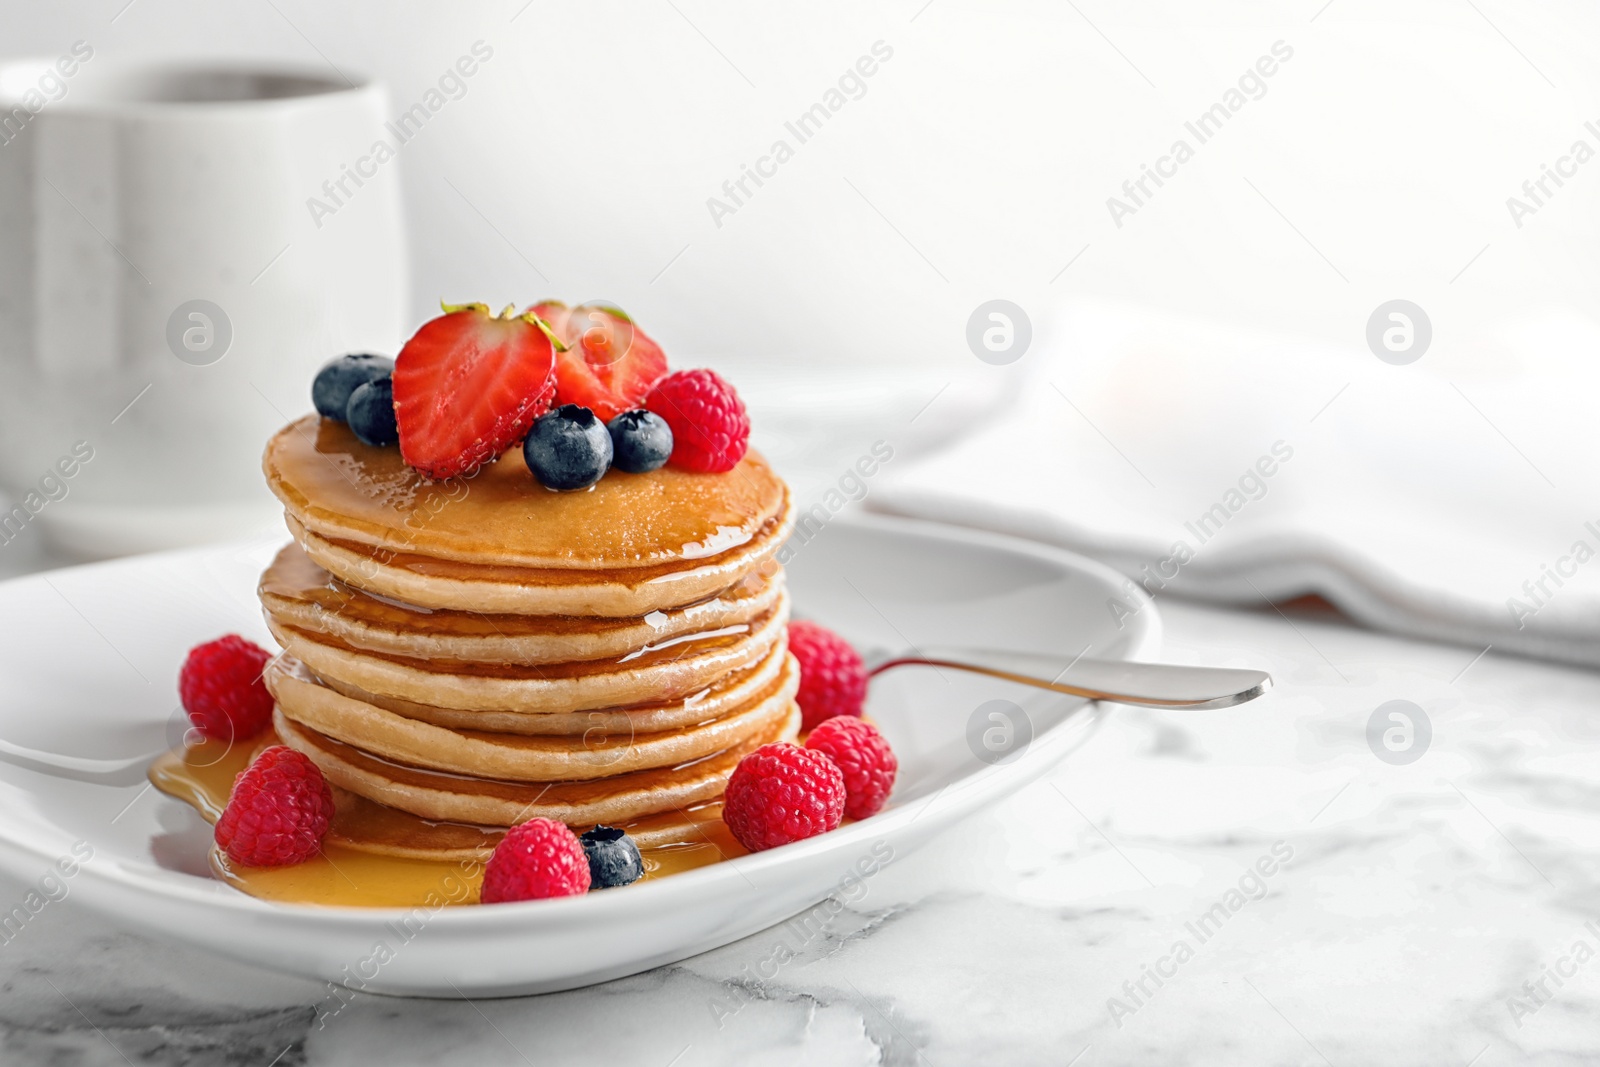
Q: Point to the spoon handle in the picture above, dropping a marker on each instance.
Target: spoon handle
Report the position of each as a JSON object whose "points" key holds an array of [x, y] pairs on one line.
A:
{"points": [[1158, 685]]}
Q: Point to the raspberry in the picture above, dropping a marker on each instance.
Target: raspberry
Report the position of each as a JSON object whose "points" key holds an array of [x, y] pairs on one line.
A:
{"points": [[782, 793], [278, 813], [221, 688], [865, 759], [833, 680], [540, 858], [710, 429]]}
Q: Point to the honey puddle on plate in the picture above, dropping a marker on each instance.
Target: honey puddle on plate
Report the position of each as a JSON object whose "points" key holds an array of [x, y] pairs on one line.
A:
{"points": [[344, 874]]}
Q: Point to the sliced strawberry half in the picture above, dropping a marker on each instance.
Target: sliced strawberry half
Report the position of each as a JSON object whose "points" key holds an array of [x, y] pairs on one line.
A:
{"points": [[468, 385], [610, 365]]}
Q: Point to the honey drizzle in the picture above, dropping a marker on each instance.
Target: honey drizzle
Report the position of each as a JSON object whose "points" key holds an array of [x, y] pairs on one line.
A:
{"points": [[348, 875]]}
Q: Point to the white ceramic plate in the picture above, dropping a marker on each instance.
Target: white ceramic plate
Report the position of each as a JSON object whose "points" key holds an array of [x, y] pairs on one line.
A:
{"points": [[91, 658]]}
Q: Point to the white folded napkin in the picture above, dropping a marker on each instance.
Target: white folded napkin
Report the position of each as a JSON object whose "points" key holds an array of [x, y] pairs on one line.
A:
{"points": [[1457, 497]]}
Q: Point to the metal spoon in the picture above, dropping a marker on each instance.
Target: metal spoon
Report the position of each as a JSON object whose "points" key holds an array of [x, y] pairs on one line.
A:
{"points": [[1156, 685]]}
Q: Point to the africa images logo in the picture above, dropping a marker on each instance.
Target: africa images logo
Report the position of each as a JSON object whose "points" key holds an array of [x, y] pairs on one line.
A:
{"points": [[851, 85], [1251, 85], [451, 85]]}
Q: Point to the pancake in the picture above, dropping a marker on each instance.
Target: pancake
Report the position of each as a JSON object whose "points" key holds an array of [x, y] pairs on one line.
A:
{"points": [[343, 490], [366, 826], [511, 757], [453, 798], [296, 592], [463, 655], [429, 582], [732, 690], [675, 669]]}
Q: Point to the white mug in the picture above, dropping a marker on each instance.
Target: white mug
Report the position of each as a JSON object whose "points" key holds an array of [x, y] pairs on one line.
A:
{"points": [[171, 277]]}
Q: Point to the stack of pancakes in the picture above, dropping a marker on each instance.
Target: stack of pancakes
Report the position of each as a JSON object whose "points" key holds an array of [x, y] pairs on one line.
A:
{"points": [[462, 656]]}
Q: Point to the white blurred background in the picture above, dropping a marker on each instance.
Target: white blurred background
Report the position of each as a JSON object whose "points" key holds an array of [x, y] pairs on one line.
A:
{"points": [[975, 163], [990, 141]]}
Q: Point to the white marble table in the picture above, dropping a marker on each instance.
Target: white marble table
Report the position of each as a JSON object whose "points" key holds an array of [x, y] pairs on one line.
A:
{"points": [[1416, 901]]}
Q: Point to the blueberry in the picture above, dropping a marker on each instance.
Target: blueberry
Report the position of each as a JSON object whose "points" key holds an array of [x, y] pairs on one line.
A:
{"points": [[338, 378], [370, 413], [640, 441], [613, 858], [568, 448]]}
